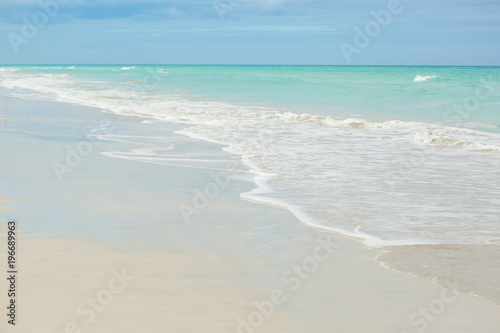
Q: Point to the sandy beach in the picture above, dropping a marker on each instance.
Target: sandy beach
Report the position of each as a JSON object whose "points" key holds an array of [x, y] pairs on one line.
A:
{"points": [[95, 256], [66, 285]]}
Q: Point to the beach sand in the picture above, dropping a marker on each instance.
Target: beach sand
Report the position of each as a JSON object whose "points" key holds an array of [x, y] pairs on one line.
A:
{"points": [[114, 217], [209, 291]]}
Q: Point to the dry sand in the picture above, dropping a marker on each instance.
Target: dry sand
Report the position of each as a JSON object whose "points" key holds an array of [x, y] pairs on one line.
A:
{"points": [[202, 292]]}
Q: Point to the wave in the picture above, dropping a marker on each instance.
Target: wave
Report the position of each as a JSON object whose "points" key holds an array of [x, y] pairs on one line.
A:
{"points": [[163, 70], [7, 70], [420, 78], [425, 134], [176, 108], [338, 122], [428, 138]]}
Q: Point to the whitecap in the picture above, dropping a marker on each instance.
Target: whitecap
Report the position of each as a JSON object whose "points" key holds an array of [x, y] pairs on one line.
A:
{"points": [[420, 78]]}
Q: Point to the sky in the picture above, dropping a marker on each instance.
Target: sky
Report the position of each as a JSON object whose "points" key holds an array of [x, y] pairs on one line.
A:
{"points": [[267, 32]]}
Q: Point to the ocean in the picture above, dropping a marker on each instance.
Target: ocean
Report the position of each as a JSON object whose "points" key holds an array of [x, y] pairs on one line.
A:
{"points": [[391, 155]]}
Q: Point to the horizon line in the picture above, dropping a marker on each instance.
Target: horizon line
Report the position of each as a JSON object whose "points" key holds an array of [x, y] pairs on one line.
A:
{"points": [[269, 65]]}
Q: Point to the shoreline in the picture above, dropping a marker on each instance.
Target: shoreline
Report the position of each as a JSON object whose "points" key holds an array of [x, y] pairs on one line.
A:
{"points": [[410, 260], [261, 242], [468, 283]]}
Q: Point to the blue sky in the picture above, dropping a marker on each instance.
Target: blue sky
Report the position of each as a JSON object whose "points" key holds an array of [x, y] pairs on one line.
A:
{"points": [[309, 32]]}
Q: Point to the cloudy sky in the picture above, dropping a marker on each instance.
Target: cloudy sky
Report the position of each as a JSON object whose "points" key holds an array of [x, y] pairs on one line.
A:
{"points": [[309, 32]]}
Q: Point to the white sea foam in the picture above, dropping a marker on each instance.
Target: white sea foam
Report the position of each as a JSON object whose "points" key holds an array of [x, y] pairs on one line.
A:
{"points": [[429, 138], [7, 70], [420, 78]]}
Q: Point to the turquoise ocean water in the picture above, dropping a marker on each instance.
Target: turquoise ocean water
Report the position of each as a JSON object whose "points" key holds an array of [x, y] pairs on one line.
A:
{"points": [[392, 155]]}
